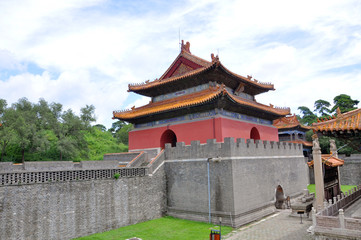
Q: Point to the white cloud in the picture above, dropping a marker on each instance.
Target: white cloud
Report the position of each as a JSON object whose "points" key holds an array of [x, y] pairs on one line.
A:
{"points": [[91, 50]]}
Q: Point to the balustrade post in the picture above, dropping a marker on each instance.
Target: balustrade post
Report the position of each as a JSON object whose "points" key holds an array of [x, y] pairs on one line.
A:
{"points": [[341, 217], [313, 219]]}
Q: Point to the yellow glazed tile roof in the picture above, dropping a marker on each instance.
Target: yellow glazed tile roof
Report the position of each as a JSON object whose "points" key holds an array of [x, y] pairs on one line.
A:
{"points": [[288, 122], [304, 143], [193, 100], [205, 67], [329, 161], [343, 122]]}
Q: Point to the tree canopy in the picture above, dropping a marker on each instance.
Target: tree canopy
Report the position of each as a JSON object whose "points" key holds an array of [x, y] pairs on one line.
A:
{"points": [[43, 131], [345, 103]]}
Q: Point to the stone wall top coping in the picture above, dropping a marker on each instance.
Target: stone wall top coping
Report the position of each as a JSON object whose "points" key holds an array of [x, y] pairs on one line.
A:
{"points": [[232, 148]]}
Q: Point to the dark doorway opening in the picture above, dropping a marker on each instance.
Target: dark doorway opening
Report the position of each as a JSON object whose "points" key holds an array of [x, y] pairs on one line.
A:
{"points": [[254, 134], [168, 137]]}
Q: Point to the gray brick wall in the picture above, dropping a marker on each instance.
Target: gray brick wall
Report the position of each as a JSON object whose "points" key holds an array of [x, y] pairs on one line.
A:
{"points": [[65, 210]]}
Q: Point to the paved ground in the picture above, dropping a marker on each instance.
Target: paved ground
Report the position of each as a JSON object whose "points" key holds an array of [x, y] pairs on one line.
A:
{"points": [[354, 210], [279, 226]]}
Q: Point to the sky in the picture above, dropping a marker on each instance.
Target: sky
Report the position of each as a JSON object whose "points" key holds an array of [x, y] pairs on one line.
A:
{"points": [[78, 52]]}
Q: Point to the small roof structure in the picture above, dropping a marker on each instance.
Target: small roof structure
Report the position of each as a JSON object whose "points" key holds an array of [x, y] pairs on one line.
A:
{"points": [[329, 160], [304, 143], [289, 122]]}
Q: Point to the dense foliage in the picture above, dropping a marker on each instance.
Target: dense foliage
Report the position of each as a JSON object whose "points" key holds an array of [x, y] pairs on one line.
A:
{"points": [[43, 131], [323, 109]]}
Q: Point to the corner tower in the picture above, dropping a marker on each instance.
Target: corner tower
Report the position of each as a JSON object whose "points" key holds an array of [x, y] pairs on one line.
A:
{"points": [[196, 99]]}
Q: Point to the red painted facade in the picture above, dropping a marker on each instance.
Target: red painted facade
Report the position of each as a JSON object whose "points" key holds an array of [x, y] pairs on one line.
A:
{"points": [[217, 128]]}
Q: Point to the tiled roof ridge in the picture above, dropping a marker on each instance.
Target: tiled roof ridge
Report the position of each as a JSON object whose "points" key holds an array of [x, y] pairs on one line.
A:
{"points": [[213, 90], [249, 79], [271, 108], [288, 122], [342, 122], [303, 142], [336, 117], [329, 160], [171, 79], [200, 98], [215, 63]]}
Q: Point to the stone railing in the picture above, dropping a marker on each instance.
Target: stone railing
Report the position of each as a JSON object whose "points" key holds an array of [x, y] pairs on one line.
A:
{"points": [[17, 178], [156, 161], [138, 160], [327, 219], [341, 202]]}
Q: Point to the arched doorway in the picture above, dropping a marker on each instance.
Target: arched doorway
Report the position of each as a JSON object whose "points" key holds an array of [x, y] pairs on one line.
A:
{"points": [[280, 197], [254, 134], [168, 137]]}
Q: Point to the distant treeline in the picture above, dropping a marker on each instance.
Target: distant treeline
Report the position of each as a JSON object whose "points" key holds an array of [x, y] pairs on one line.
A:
{"points": [[45, 132]]}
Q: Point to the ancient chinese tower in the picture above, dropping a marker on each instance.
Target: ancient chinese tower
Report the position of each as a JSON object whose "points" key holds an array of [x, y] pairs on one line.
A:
{"points": [[197, 99]]}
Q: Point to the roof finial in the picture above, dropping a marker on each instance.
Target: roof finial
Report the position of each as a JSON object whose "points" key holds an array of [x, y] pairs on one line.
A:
{"points": [[338, 111], [186, 47]]}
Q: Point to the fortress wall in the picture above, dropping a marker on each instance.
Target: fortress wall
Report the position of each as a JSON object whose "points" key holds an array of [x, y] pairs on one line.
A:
{"points": [[243, 178], [351, 170], [123, 157], [230, 148], [66, 210]]}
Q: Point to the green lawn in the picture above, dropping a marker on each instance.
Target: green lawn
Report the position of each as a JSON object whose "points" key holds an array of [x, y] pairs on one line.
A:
{"points": [[162, 228], [344, 188]]}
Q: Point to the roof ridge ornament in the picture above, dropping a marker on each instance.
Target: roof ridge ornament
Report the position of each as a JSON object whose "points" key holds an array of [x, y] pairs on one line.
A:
{"points": [[186, 47], [214, 58], [338, 111]]}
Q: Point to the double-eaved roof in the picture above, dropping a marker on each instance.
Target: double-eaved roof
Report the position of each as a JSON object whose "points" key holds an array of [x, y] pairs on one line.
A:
{"points": [[205, 97], [226, 90]]}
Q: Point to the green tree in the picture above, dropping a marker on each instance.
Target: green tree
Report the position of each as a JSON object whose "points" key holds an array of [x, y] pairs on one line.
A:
{"points": [[6, 133], [24, 126], [101, 127], [322, 108], [120, 131], [101, 142], [308, 117], [87, 115], [345, 103]]}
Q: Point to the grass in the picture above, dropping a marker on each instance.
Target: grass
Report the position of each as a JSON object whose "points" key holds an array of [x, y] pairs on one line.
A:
{"points": [[344, 188], [162, 228]]}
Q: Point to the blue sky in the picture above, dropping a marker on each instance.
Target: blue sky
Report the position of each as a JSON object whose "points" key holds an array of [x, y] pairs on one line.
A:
{"points": [[79, 52]]}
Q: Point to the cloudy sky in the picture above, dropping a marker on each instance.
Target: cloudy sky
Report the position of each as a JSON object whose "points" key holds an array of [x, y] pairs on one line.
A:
{"points": [[79, 52]]}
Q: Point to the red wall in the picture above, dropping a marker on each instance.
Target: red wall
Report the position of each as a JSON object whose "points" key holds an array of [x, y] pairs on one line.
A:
{"points": [[217, 128], [236, 129]]}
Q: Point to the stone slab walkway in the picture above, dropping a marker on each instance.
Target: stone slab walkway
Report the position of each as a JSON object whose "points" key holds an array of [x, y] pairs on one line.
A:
{"points": [[279, 226]]}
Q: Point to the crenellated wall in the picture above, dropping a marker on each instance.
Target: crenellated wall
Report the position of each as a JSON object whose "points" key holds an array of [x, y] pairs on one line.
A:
{"points": [[86, 198], [243, 177], [231, 148]]}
